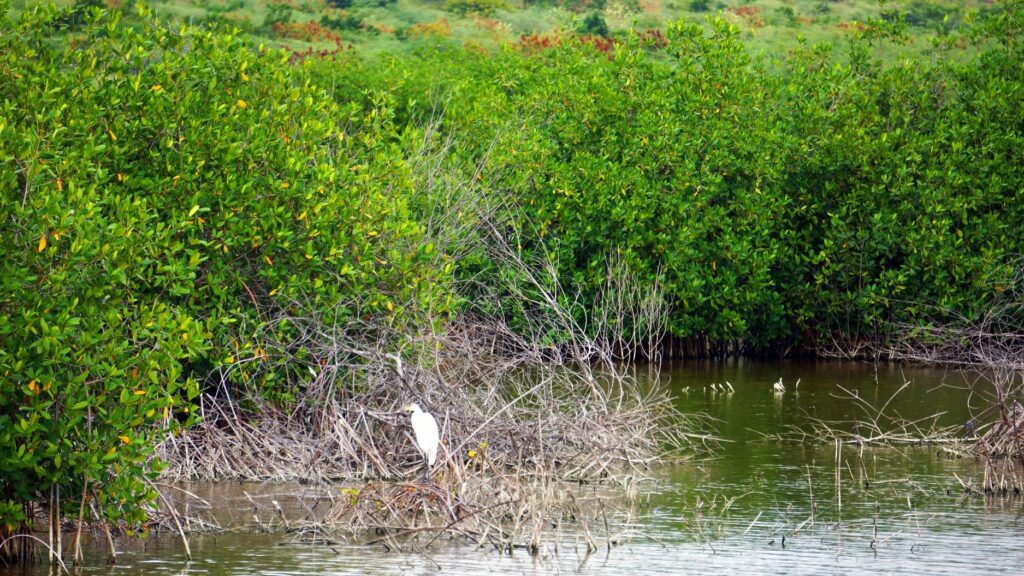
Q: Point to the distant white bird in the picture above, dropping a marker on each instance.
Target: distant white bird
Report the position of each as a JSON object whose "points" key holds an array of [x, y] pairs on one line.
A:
{"points": [[778, 387], [425, 428]]}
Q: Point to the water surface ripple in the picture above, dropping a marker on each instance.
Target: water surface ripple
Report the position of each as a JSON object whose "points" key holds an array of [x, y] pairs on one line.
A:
{"points": [[894, 510]]}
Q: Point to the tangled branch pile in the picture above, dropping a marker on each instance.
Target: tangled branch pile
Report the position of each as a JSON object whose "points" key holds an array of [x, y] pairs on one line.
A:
{"points": [[514, 426], [880, 425], [524, 409], [989, 349]]}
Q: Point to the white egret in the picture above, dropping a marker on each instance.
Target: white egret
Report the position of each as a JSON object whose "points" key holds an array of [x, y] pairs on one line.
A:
{"points": [[778, 386], [427, 436]]}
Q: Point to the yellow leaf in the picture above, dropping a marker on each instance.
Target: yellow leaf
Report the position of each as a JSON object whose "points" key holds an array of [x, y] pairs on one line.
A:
{"points": [[139, 392], [241, 104], [112, 137], [269, 261], [120, 176], [372, 233], [245, 78], [156, 87], [165, 412], [285, 185], [42, 243], [60, 185], [125, 439], [33, 386], [193, 211], [391, 307]]}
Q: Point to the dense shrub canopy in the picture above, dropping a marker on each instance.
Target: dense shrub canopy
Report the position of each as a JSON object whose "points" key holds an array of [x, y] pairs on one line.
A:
{"points": [[824, 195], [169, 193], [164, 192]]}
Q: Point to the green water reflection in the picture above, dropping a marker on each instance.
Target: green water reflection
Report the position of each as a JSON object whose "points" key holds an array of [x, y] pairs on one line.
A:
{"points": [[890, 510]]}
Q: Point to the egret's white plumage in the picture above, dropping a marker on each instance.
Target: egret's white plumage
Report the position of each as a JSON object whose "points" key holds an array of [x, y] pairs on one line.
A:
{"points": [[425, 428]]}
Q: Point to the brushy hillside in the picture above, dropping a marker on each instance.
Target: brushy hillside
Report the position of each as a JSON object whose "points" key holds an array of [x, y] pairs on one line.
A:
{"points": [[388, 26]]}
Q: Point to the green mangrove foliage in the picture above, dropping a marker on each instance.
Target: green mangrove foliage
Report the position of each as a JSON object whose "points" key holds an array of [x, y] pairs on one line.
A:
{"points": [[781, 202], [165, 192], [168, 194]]}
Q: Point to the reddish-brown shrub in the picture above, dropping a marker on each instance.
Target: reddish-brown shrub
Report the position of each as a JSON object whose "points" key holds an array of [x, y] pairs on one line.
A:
{"points": [[310, 31], [749, 14], [439, 28]]}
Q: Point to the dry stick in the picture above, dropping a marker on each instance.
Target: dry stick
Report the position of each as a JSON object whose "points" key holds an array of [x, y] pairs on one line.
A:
{"points": [[174, 516], [112, 556], [607, 532], [49, 533], [280, 513], [874, 528], [77, 555], [4, 542], [1016, 441], [57, 526], [752, 522], [810, 492], [863, 468], [458, 520], [799, 527], [839, 476], [458, 450]]}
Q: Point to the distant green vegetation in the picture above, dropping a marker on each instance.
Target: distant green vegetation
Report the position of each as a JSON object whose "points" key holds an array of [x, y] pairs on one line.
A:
{"points": [[819, 201], [389, 26], [170, 193]]}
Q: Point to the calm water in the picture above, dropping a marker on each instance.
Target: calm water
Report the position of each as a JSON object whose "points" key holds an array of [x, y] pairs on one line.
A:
{"points": [[895, 511]]}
